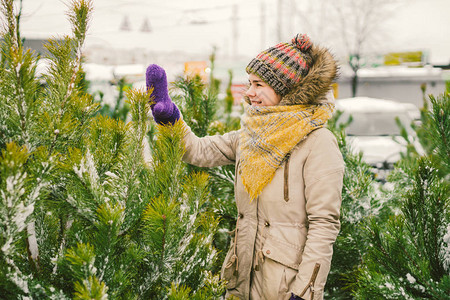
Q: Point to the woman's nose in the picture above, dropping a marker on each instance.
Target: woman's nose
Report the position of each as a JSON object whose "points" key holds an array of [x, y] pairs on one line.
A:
{"points": [[250, 92]]}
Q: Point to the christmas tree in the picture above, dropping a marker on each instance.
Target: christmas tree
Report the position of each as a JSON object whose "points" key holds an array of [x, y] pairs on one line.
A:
{"points": [[206, 114], [83, 214], [395, 236], [409, 254], [359, 201]]}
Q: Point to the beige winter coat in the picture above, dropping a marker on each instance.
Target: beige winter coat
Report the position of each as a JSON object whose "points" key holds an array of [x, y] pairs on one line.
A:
{"points": [[290, 229], [283, 241]]}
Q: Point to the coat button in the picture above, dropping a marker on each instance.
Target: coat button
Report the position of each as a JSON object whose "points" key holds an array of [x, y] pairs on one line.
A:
{"points": [[268, 251], [267, 223], [241, 216]]}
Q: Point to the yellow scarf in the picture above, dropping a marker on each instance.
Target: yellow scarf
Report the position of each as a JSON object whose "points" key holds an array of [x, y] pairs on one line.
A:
{"points": [[269, 134]]}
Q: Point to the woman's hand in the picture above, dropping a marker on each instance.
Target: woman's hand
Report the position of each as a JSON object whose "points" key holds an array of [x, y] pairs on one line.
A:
{"points": [[163, 109]]}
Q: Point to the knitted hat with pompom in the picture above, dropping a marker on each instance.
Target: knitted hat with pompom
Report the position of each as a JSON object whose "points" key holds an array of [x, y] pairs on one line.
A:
{"points": [[283, 65]]}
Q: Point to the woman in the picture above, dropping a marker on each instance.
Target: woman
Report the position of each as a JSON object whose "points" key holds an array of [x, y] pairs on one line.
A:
{"points": [[289, 172]]}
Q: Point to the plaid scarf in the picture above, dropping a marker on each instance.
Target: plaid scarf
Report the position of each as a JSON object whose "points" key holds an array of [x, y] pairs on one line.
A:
{"points": [[269, 134]]}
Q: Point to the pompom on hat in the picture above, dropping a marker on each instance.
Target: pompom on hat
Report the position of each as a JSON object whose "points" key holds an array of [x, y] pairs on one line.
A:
{"points": [[302, 42]]}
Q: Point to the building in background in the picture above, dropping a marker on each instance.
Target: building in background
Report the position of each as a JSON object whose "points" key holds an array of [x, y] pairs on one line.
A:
{"points": [[400, 76]]}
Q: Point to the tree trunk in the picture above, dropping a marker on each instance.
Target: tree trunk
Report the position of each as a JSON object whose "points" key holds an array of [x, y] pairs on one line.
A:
{"points": [[354, 84]]}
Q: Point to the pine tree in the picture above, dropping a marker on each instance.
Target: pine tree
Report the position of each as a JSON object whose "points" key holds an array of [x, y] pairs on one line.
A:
{"points": [[83, 214], [197, 103], [360, 200], [121, 108], [226, 119], [373, 212], [207, 115], [438, 128], [408, 257]]}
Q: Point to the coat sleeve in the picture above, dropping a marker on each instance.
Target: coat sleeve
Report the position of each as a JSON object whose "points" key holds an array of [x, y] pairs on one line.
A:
{"points": [[209, 151], [323, 176]]}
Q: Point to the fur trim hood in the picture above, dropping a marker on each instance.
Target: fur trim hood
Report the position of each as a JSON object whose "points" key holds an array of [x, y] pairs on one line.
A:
{"points": [[313, 87]]}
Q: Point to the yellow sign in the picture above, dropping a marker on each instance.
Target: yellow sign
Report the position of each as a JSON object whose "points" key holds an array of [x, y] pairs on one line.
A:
{"points": [[335, 87], [399, 58]]}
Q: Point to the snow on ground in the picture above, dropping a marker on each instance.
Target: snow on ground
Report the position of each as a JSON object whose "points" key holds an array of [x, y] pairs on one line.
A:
{"points": [[400, 71], [365, 104]]}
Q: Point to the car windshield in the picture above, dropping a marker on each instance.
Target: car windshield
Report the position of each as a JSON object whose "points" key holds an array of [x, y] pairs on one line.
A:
{"points": [[376, 124]]}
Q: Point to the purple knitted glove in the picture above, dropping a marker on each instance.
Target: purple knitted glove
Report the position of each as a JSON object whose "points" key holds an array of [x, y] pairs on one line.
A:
{"points": [[294, 297], [164, 110]]}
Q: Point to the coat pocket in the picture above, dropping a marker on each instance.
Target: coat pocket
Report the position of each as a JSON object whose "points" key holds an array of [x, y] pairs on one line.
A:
{"points": [[229, 268], [282, 252]]}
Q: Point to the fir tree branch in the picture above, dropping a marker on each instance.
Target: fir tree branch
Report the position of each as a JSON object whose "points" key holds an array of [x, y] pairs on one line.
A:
{"points": [[441, 116], [79, 17], [17, 64], [163, 242], [16, 60], [32, 245], [18, 16], [64, 227], [11, 21]]}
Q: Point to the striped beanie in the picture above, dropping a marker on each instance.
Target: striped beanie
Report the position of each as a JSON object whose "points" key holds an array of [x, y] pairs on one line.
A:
{"points": [[283, 65]]}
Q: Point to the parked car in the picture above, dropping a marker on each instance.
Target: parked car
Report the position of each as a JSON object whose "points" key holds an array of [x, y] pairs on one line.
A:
{"points": [[374, 131]]}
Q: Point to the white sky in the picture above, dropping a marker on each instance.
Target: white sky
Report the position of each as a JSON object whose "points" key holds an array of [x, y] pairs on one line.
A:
{"points": [[416, 25]]}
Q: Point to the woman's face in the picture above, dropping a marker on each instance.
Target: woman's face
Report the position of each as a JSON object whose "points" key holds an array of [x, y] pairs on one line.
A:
{"points": [[261, 94]]}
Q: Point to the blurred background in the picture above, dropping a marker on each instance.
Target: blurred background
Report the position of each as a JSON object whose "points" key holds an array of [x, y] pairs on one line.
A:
{"points": [[392, 48]]}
